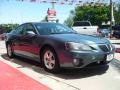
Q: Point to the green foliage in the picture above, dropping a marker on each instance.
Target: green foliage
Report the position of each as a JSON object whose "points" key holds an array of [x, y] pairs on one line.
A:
{"points": [[117, 14], [7, 27], [95, 14], [45, 19], [69, 21]]}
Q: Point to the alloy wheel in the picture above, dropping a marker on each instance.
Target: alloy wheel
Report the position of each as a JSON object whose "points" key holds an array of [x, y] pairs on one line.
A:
{"points": [[49, 60]]}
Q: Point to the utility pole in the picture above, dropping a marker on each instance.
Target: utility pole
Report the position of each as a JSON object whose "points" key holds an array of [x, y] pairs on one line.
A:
{"points": [[53, 6], [112, 20]]}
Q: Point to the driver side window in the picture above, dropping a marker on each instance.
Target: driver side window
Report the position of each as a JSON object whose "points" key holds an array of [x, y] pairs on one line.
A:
{"points": [[28, 27]]}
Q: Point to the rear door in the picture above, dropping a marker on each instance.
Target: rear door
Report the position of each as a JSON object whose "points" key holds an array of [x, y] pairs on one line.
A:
{"points": [[16, 37]]}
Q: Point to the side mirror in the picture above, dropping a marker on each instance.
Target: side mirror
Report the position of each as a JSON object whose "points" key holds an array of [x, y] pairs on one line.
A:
{"points": [[30, 33]]}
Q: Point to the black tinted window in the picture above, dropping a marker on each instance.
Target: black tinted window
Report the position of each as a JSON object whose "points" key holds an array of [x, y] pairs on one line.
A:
{"points": [[18, 30], [28, 27], [116, 27], [81, 24]]}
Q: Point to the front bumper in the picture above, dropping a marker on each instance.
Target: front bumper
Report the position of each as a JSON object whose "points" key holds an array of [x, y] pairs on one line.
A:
{"points": [[80, 59]]}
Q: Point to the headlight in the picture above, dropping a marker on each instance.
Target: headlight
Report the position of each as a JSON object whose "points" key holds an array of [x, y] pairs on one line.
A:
{"points": [[78, 46]]}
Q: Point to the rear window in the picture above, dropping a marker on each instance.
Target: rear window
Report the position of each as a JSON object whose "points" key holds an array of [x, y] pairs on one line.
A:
{"points": [[81, 24]]}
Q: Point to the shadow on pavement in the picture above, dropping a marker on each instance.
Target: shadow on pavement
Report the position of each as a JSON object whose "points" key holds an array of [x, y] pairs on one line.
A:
{"points": [[64, 74], [116, 64], [83, 73]]}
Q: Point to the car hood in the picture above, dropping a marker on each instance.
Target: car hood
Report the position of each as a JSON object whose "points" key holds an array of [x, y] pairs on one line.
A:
{"points": [[79, 38]]}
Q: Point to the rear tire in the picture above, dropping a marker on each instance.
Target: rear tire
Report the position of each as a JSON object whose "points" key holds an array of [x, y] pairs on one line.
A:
{"points": [[50, 61], [10, 50]]}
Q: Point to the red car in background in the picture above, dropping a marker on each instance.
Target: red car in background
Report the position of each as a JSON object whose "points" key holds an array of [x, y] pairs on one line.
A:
{"points": [[2, 36]]}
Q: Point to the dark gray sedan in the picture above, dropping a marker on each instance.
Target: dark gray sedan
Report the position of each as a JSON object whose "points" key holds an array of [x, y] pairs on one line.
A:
{"points": [[56, 45]]}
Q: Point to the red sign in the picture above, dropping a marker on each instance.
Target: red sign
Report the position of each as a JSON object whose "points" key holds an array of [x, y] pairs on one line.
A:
{"points": [[51, 12]]}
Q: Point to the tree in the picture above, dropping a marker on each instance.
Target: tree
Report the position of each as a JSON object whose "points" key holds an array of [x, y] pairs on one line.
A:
{"points": [[45, 19], [117, 14], [7, 27], [95, 14], [69, 21]]}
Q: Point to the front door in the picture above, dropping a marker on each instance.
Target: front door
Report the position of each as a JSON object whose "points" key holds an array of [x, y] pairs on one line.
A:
{"points": [[28, 44]]}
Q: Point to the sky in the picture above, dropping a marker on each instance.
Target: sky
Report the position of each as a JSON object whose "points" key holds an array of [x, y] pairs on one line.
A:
{"points": [[13, 11]]}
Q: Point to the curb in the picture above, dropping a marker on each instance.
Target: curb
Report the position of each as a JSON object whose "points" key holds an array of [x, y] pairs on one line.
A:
{"points": [[115, 63]]}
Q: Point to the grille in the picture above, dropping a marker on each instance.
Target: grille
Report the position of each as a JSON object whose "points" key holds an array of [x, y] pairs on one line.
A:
{"points": [[105, 48]]}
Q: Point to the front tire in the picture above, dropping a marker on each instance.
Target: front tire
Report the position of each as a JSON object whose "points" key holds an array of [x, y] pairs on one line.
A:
{"points": [[10, 51], [50, 60]]}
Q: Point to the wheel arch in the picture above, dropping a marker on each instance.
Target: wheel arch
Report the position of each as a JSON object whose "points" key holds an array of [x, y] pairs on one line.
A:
{"points": [[57, 65], [46, 46]]}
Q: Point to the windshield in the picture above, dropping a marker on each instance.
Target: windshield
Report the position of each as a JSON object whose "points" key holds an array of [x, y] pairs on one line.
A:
{"points": [[53, 28]]}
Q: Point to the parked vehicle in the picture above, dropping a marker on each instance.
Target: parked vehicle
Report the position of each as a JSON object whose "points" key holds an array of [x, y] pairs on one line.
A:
{"points": [[116, 31], [105, 32], [85, 27], [56, 45]]}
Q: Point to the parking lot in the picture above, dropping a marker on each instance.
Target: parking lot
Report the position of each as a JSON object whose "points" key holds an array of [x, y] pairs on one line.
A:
{"points": [[60, 33], [94, 78]]}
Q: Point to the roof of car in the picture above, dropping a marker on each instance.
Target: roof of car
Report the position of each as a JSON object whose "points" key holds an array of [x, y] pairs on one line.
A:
{"points": [[41, 22]]}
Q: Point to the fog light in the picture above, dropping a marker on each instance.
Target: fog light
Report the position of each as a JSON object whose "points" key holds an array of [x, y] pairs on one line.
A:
{"points": [[110, 57], [77, 62]]}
